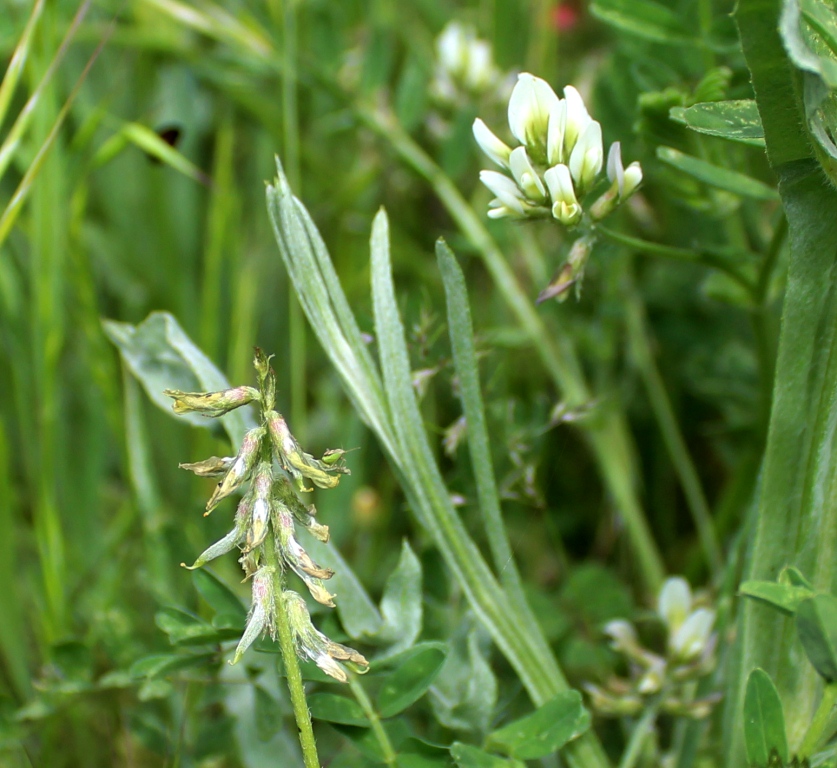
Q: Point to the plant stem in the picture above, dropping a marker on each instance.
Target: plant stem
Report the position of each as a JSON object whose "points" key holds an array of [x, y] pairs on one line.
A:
{"points": [[295, 686], [821, 718], [642, 729], [377, 726], [677, 254], [672, 436]]}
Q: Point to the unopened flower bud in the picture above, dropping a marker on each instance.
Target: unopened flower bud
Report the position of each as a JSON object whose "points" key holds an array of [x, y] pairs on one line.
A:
{"points": [[497, 150], [298, 463], [260, 514], [211, 404], [587, 157], [314, 645], [565, 206], [691, 638], [266, 378], [231, 540], [674, 602], [214, 466], [262, 611], [240, 468]]}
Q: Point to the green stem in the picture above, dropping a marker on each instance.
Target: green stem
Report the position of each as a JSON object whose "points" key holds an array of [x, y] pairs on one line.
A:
{"points": [[294, 676], [821, 719], [642, 729], [608, 436], [377, 727], [672, 436], [677, 254]]}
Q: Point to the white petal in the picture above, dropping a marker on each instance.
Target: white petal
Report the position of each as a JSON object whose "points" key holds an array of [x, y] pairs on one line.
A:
{"points": [[587, 156], [525, 175], [692, 636], [529, 108], [577, 117], [505, 189], [560, 184], [479, 72], [496, 149], [674, 602], [615, 171], [450, 47], [555, 134], [633, 178]]}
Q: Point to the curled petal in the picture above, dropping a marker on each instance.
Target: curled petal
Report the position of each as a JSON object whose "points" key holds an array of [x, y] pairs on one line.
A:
{"points": [[587, 156], [506, 190], [525, 175], [674, 602], [615, 171], [577, 118], [633, 178], [496, 149]]}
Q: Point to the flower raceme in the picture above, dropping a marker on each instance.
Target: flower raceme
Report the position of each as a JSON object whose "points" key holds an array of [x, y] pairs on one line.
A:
{"points": [[271, 469], [558, 161]]}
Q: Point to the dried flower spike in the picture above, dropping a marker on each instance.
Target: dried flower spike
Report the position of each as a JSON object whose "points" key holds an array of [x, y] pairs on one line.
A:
{"points": [[263, 528]]}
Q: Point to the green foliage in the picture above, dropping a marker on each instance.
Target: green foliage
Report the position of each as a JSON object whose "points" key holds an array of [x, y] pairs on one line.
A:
{"points": [[678, 418]]}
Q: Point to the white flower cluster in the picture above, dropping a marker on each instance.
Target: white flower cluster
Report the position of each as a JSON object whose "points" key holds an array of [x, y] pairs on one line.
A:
{"points": [[689, 655], [559, 159], [464, 63]]}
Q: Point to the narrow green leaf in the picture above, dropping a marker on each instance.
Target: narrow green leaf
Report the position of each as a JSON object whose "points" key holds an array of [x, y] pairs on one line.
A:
{"points": [[161, 356], [148, 141], [337, 709], [784, 597], [764, 721], [816, 624], [715, 176], [413, 674], [401, 604], [545, 731], [219, 596], [733, 120], [467, 756], [645, 19], [416, 753]]}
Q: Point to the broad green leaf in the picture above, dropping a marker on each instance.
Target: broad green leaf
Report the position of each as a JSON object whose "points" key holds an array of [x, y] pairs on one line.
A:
{"points": [[414, 672], [219, 596], [162, 663], [733, 120], [764, 721], [366, 741], [337, 709], [715, 176], [160, 354], [465, 692], [545, 731], [268, 715], [645, 19], [783, 597], [184, 628], [807, 33], [401, 604], [415, 753], [816, 623], [466, 756]]}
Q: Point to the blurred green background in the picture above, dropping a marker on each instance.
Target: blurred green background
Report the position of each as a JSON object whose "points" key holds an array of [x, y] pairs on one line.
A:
{"points": [[95, 516]]}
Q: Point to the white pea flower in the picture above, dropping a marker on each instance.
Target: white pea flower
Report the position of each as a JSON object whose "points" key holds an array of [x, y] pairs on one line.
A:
{"points": [[689, 630], [464, 63], [559, 159]]}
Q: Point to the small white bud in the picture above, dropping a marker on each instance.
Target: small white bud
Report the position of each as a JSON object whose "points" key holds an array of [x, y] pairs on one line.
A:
{"points": [[565, 206], [507, 192], [674, 602], [692, 636]]}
